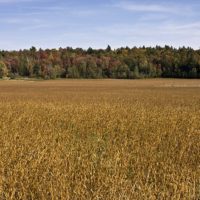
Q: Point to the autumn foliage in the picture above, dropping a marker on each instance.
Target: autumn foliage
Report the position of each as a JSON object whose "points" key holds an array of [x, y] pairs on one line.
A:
{"points": [[122, 63]]}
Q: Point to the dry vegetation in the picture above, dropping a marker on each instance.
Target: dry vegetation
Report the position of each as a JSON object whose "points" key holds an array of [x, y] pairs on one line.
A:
{"points": [[100, 139]]}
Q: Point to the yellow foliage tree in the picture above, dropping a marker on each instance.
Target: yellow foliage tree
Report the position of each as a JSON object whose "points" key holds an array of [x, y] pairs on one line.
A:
{"points": [[3, 70]]}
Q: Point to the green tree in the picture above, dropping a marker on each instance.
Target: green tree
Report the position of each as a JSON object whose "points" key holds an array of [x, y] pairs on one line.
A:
{"points": [[136, 73], [3, 70], [23, 66], [73, 72], [36, 70], [108, 49]]}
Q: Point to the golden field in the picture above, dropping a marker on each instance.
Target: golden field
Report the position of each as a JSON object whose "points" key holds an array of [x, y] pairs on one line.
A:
{"points": [[100, 139]]}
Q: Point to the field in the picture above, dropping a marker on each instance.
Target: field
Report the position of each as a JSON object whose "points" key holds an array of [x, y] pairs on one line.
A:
{"points": [[100, 139]]}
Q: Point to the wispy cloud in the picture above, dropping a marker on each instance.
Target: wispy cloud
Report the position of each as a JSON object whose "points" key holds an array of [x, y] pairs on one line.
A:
{"points": [[90, 23], [154, 8], [20, 21], [145, 29], [14, 1], [36, 27]]}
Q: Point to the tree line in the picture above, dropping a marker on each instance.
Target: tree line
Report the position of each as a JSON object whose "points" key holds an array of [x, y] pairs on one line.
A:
{"points": [[122, 63]]}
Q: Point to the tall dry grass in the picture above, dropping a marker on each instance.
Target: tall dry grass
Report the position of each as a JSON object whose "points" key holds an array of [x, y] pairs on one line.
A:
{"points": [[100, 139]]}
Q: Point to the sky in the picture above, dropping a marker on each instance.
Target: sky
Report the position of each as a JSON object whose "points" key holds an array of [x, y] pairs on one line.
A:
{"points": [[97, 23]]}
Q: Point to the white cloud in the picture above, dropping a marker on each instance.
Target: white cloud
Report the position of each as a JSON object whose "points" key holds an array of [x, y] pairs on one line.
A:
{"points": [[154, 8], [36, 27], [14, 1], [20, 21], [64, 25], [175, 34]]}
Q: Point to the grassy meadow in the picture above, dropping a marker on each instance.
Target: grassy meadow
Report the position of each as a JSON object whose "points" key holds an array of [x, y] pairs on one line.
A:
{"points": [[100, 139]]}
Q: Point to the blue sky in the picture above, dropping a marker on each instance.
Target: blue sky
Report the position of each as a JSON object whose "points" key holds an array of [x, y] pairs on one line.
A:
{"points": [[97, 23]]}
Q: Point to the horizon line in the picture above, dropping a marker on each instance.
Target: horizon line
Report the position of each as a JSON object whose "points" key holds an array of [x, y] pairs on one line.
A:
{"points": [[96, 49]]}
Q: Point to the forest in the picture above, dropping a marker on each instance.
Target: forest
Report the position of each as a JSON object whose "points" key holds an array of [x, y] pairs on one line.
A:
{"points": [[121, 63]]}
